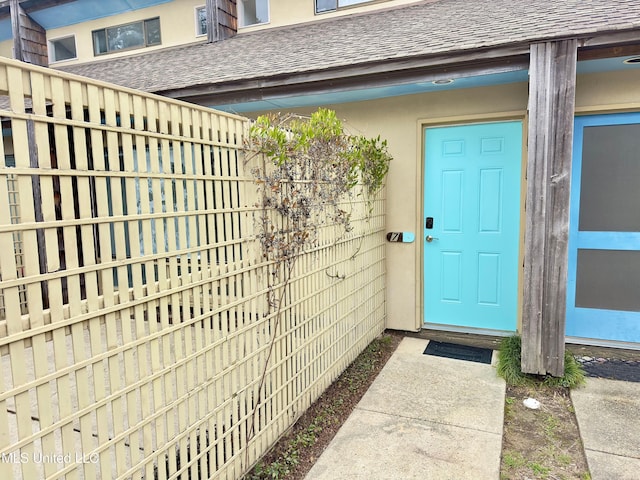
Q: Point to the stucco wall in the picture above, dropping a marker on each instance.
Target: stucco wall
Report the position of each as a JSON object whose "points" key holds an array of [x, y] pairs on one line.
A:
{"points": [[6, 49], [602, 92], [177, 27], [288, 12], [178, 24], [401, 121]]}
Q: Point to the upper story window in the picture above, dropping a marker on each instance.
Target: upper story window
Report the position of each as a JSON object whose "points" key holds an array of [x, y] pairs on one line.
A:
{"points": [[62, 49], [122, 37], [252, 12], [333, 5], [201, 21]]}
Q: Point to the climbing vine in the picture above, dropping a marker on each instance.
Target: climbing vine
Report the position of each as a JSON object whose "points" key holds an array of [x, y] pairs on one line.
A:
{"points": [[307, 170], [370, 158]]}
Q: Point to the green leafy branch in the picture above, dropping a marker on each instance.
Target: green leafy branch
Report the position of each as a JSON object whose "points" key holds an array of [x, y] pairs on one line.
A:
{"points": [[307, 167]]}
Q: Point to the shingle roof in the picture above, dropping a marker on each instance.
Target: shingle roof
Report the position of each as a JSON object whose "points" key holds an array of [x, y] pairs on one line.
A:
{"points": [[426, 28]]}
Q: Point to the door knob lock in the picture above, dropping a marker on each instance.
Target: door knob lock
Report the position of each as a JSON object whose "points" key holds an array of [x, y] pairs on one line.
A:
{"points": [[430, 238]]}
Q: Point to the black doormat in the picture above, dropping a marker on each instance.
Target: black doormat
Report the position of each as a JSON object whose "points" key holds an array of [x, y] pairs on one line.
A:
{"points": [[611, 368], [459, 352]]}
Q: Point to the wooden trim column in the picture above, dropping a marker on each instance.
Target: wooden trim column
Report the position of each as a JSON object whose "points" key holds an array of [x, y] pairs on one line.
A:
{"points": [[14, 7], [29, 37], [212, 21], [222, 19], [552, 78]]}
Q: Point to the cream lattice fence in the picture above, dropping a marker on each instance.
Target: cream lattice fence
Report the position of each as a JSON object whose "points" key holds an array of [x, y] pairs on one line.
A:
{"points": [[133, 319]]}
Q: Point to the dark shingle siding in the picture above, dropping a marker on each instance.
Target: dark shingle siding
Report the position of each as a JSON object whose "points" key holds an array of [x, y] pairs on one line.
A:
{"points": [[425, 28]]}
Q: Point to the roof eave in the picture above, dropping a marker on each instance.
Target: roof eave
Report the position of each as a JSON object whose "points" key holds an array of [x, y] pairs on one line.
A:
{"points": [[363, 75], [397, 71]]}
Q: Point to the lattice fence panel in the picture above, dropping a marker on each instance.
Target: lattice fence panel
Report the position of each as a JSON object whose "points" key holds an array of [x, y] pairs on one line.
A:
{"points": [[134, 326]]}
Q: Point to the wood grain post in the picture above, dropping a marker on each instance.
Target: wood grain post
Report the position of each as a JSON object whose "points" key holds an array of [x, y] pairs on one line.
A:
{"points": [[212, 21], [14, 6], [551, 110]]}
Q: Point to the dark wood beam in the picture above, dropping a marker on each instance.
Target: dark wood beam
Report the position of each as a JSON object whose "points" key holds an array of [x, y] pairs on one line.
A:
{"points": [[7, 3], [388, 73], [598, 53], [29, 5], [609, 39], [551, 110], [35, 4], [255, 91], [395, 72]]}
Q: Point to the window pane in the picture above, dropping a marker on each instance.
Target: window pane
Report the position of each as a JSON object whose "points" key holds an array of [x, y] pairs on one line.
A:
{"points": [[201, 21], [253, 12], [152, 30], [609, 192], [125, 36], [99, 42], [608, 279], [63, 49], [346, 3], [326, 5]]}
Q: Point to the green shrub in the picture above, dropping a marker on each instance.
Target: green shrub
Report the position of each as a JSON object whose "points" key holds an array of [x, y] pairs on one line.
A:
{"points": [[509, 368]]}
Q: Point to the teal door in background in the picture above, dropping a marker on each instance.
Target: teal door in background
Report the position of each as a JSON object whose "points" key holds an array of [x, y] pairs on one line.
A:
{"points": [[603, 289], [472, 224]]}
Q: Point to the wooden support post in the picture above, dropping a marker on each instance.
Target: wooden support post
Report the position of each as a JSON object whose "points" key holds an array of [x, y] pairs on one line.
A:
{"points": [[222, 19], [551, 110], [14, 7], [29, 37], [212, 21]]}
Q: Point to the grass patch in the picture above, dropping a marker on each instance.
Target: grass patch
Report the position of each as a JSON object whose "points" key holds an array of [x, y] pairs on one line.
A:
{"points": [[509, 361], [550, 426], [513, 459], [539, 470], [564, 459]]}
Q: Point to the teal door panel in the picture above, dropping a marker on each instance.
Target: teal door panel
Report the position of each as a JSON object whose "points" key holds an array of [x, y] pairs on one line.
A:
{"points": [[472, 193], [603, 299]]}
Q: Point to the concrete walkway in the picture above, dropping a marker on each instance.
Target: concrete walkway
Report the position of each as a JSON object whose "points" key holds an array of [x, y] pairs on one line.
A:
{"points": [[608, 413], [424, 417]]}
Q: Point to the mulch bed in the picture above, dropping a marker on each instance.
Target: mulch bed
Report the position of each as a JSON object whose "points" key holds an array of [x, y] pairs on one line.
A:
{"points": [[334, 407]]}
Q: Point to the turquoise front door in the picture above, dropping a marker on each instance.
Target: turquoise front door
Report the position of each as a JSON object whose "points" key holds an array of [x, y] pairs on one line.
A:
{"points": [[603, 290], [471, 225]]}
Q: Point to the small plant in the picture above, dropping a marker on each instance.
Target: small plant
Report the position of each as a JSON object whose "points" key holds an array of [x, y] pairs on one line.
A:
{"points": [[550, 426], [307, 168], [539, 470], [370, 158], [509, 361], [513, 460], [565, 459]]}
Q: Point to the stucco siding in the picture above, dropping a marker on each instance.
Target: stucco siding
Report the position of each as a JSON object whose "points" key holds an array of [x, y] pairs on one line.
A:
{"points": [[401, 121], [290, 12], [177, 27]]}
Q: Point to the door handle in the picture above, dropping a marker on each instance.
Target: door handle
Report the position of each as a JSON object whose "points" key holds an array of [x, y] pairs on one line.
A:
{"points": [[430, 238]]}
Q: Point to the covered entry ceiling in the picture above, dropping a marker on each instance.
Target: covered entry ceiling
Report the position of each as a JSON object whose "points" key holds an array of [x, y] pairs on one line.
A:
{"points": [[357, 95]]}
